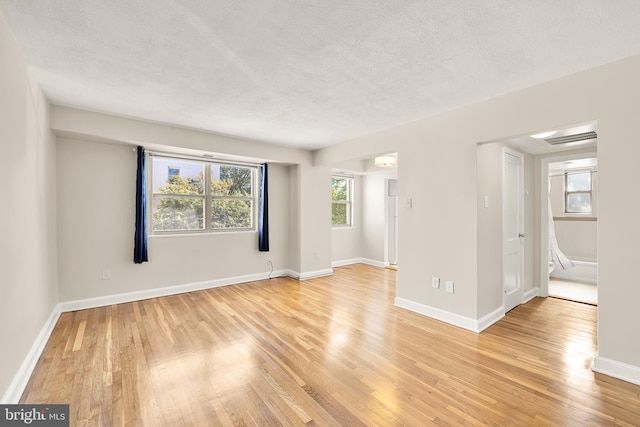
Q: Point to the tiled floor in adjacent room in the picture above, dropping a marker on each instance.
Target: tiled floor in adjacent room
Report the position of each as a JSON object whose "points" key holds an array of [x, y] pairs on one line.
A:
{"points": [[574, 291]]}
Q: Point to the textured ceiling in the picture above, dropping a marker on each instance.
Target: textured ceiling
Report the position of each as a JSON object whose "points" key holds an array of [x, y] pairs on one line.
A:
{"points": [[306, 73]]}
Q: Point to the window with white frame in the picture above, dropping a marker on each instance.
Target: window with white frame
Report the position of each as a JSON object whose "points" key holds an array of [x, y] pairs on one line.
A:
{"points": [[341, 201], [203, 196], [577, 192]]}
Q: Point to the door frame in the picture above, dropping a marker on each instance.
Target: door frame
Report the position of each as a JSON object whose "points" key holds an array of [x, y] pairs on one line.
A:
{"points": [[391, 223], [506, 151]]}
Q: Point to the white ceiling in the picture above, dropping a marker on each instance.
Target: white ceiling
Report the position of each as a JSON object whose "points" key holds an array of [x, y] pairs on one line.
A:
{"points": [[305, 73]]}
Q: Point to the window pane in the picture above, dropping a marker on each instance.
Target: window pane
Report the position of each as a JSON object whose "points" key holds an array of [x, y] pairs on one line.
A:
{"points": [[172, 176], [579, 181], [231, 214], [339, 188], [231, 181], [177, 213], [579, 202], [340, 214]]}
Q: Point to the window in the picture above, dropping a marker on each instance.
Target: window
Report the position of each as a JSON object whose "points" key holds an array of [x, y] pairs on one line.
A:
{"points": [[577, 192], [341, 200], [201, 196]]}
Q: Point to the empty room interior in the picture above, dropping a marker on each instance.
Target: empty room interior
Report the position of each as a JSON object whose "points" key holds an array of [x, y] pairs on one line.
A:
{"points": [[335, 213]]}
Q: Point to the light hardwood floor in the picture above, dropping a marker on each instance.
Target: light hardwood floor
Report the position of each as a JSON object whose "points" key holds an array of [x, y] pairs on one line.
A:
{"points": [[328, 351]]}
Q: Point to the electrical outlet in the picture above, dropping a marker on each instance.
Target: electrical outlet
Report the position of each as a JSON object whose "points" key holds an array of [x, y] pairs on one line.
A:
{"points": [[106, 274], [449, 287], [435, 282]]}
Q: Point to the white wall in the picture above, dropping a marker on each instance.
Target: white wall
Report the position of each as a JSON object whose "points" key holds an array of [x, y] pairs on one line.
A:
{"points": [[28, 277], [490, 167], [438, 236], [314, 221], [96, 211]]}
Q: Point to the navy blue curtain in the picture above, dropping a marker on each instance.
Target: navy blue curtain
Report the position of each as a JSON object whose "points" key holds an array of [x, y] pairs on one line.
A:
{"points": [[263, 213], [140, 245]]}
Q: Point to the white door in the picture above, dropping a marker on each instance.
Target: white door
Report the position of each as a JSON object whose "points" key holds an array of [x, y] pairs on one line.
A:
{"points": [[392, 210], [512, 228]]}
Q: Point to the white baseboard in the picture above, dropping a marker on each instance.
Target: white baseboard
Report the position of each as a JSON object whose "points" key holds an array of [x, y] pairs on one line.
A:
{"points": [[615, 369], [451, 318], [19, 383], [342, 263], [373, 262], [164, 291], [489, 319], [314, 274], [530, 294], [580, 271]]}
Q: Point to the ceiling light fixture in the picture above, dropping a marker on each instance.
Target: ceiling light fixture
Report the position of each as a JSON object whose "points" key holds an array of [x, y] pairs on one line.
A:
{"points": [[385, 161], [543, 134]]}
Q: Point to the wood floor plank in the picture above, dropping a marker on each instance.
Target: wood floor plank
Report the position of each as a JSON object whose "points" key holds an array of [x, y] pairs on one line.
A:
{"points": [[327, 351]]}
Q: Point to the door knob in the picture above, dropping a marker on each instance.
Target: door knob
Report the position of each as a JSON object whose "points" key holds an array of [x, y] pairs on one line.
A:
{"points": [[520, 234]]}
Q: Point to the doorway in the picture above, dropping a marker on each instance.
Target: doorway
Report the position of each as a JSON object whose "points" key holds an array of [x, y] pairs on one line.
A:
{"points": [[539, 150], [572, 227]]}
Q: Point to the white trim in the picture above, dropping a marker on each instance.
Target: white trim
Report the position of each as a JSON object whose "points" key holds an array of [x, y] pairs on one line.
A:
{"points": [[530, 294], [342, 263], [581, 271], [451, 318], [489, 319], [374, 263], [19, 383], [164, 291], [613, 368], [314, 274]]}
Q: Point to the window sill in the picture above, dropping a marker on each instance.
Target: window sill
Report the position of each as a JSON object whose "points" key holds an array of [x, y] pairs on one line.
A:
{"points": [[576, 218], [202, 234]]}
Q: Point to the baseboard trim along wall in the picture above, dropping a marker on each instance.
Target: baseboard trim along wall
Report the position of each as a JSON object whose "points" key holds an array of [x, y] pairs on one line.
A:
{"points": [[165, 291], [180, 289], [20, 380], [489, 319], [581, 271], [530, 294], [342, 263], [314, 274], [451, 318], [613, 368]]}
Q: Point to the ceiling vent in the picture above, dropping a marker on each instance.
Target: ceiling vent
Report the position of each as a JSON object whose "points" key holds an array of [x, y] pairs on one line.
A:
{"points": [[579, 137]]}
